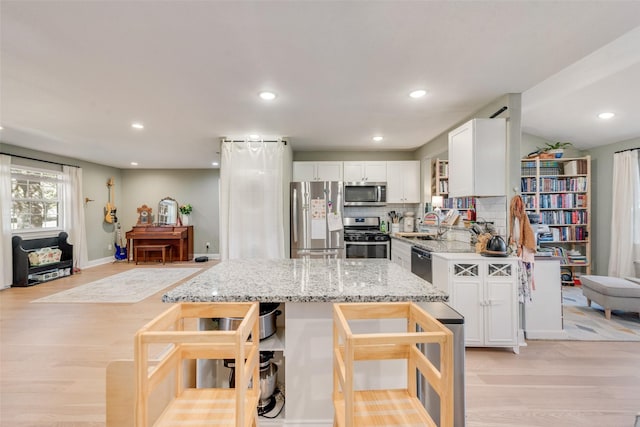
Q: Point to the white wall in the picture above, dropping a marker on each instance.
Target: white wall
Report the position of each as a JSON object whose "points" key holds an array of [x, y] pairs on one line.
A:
{"points": [[199, 187]]}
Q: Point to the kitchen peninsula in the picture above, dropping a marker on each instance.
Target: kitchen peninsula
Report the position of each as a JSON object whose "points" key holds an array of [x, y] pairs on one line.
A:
{"points": [[308, 288]]}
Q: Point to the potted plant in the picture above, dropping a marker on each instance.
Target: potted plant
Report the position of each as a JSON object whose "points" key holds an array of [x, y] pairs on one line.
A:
{"points": [[185, 211], [556, 148]]}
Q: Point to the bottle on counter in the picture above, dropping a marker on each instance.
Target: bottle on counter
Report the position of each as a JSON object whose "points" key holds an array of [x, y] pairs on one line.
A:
{"points": [[383, 226]]}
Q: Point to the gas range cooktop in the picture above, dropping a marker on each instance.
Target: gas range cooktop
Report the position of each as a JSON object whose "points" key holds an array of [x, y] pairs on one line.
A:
{"points": [[363, 229]]}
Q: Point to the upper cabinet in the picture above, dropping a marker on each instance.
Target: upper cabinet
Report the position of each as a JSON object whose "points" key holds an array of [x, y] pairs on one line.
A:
{"points": [[403, 181], [477, 158], [317, 171], [365, 171]]}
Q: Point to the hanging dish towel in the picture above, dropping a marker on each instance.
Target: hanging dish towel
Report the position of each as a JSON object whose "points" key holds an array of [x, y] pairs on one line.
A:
{"points": [[524, 241]]}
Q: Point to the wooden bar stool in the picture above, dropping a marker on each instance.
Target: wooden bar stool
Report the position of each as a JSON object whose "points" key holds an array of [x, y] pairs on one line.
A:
{"points": [[235, 407], [389, 407]]}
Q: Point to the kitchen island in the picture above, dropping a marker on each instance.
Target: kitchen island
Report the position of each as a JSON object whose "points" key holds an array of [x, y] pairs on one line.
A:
{"points": [[306, 280], [308, 287]]}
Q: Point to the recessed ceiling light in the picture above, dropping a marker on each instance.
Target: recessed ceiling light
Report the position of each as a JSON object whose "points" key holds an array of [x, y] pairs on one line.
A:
{"points": [[137, 125], [267, 96], [215, 163], [254, 137], [1, 128], [418, 93], [606, 116], [134, 163], [377, 138]]}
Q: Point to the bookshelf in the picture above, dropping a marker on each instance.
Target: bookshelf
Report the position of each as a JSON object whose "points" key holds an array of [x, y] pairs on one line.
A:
{"points": [[559, 191], [441, 178]]}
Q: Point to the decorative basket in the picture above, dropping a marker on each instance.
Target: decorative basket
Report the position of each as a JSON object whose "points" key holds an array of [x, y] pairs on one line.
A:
{"points": [[45, 256]]}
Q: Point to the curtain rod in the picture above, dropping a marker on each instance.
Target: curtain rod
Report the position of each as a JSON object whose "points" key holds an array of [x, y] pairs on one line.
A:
{"points": [[39, 160], [628, 149], [259, 140]]}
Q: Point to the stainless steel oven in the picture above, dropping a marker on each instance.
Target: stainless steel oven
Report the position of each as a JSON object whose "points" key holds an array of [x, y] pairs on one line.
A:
{"points": [[367, 249]]}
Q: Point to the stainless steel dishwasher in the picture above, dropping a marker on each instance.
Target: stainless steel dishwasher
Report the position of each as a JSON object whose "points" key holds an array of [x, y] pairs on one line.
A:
{"points": [[421, 263]]}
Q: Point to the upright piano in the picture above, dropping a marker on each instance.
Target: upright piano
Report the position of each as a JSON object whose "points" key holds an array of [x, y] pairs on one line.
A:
{"points": [[179, 237]]}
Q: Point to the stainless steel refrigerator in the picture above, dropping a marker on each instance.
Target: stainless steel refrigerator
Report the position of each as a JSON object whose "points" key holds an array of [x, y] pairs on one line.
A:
{"points": [[316, 220]]}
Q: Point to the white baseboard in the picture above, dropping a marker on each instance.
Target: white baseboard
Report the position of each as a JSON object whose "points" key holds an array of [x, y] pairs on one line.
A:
{"points": [[99, 261], [107, 260]]}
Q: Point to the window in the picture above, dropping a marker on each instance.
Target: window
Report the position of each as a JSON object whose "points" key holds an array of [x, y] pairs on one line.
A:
{"points": [[36, 196]]}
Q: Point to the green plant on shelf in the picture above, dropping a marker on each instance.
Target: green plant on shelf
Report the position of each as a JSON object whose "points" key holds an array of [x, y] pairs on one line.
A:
{"points": [[186, 209], [555, 146]]}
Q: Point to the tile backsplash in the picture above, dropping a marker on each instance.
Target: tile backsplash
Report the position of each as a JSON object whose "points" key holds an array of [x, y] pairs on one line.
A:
{"points": [[382, 212], [493, 209]]}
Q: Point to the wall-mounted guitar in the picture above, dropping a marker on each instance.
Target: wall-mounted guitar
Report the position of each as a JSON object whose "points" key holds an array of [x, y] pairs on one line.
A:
{"points": [[110, 210], [121, 250]]}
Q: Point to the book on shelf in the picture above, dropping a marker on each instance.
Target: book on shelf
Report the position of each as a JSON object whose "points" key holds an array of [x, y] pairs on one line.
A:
{"points": [[575, 167]]}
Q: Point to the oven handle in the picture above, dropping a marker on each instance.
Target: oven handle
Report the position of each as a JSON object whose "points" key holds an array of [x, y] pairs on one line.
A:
{"points": [[379, 242]]}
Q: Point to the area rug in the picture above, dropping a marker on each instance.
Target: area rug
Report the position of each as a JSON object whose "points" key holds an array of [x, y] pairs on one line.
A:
{"points": [[583, 323], [128, 287]]}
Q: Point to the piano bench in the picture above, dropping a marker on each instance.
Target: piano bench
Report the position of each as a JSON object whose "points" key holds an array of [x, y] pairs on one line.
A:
{"points": [[153, 248]]}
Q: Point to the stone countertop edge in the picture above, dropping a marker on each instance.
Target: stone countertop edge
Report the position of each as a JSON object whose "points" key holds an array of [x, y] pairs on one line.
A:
{"points": [[288, 298], [298, 280], [437, 245]]}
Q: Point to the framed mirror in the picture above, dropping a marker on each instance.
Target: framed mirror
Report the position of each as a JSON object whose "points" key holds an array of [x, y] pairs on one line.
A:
{"points": [[167, 211]]}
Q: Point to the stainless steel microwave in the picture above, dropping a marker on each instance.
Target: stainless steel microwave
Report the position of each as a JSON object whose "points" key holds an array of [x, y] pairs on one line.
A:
{"points": [[365, 193]]}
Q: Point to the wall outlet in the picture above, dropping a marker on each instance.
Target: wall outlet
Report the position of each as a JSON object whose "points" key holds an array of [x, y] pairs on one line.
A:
{"points": [[207, 246], [109, 247]]}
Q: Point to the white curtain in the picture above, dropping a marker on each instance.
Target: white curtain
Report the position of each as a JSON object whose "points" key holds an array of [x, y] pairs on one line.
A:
{"points": [[73, 212], [251, 200], [625, 214], [5, 221]]}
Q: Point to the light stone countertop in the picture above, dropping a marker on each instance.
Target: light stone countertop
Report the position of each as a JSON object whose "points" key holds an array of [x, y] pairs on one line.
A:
{"points": [[436, 245], [306, 280]]}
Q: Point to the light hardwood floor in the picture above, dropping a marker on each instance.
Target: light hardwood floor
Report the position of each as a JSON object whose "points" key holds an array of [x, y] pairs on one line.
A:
{"points": [[53, 358]]}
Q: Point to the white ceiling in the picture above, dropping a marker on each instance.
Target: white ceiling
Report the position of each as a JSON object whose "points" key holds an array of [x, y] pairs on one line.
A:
{"points": [[75, 74]]}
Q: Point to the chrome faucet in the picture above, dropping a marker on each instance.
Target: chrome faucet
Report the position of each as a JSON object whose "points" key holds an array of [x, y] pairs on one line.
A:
{"points": [[440, 230]]}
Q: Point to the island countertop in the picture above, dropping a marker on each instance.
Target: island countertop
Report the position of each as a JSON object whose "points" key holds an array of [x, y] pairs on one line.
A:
{"points": [[306, 280]]}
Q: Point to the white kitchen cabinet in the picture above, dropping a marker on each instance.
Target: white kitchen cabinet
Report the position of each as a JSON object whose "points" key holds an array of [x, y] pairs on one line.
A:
{"points": [[365, 171], [403, 181], [477, 158], [401, 253], [484, 291], [317, 171]]}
